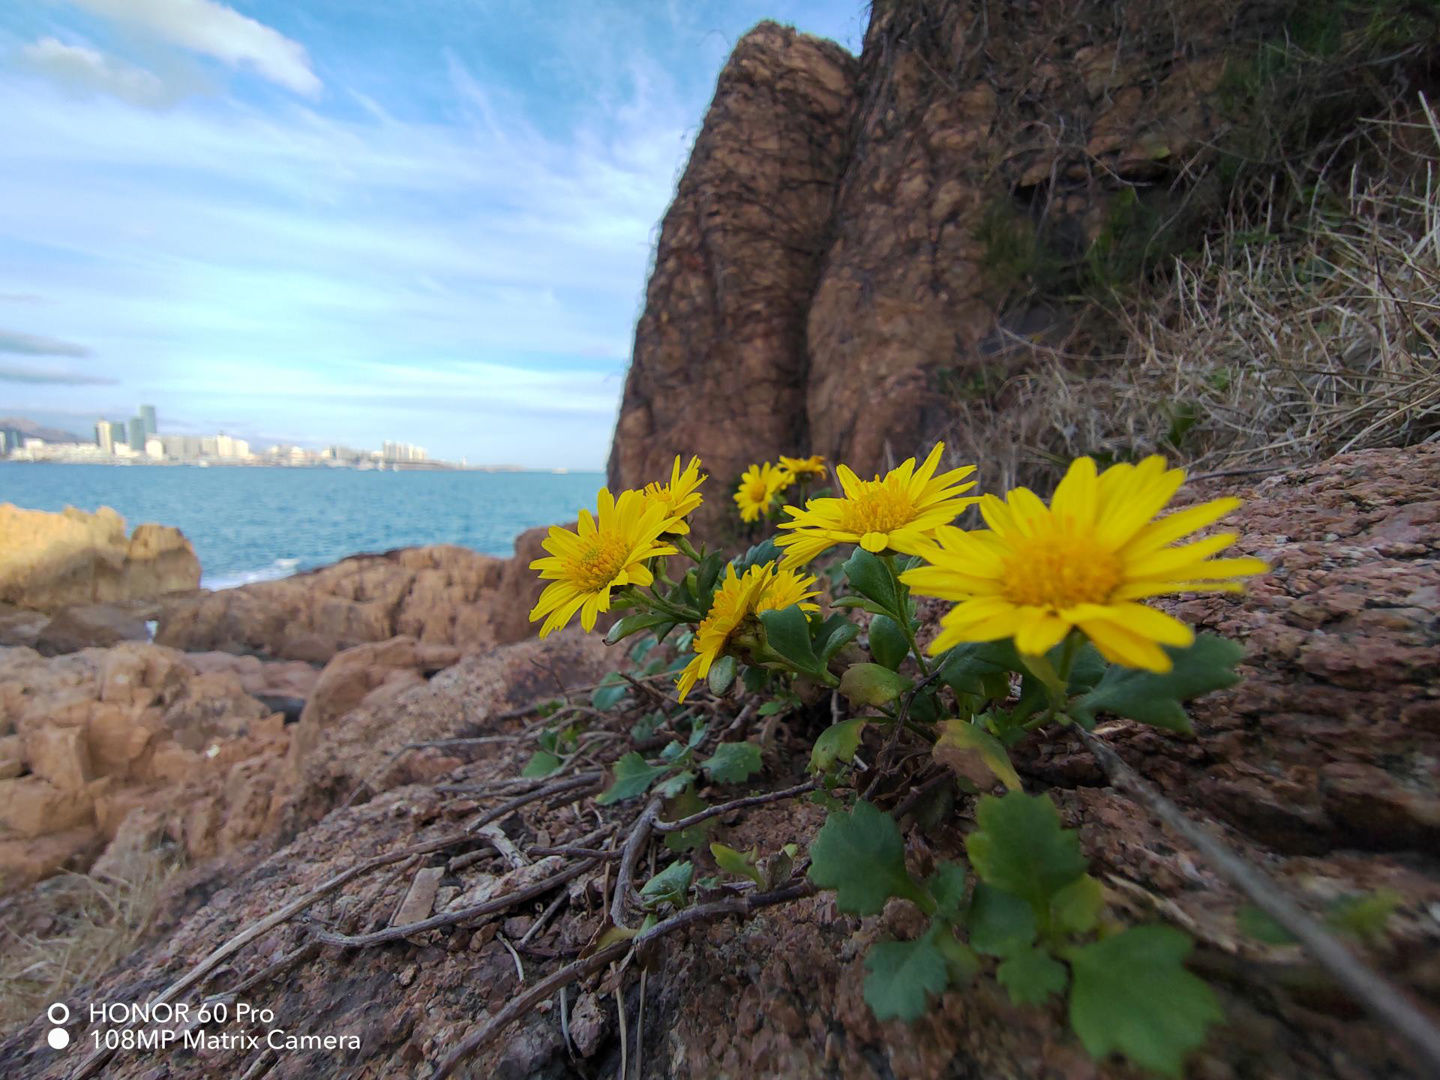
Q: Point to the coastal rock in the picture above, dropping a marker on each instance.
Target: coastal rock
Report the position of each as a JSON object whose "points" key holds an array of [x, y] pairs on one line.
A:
{"points": [[719, 365], [441, 594], [49, 561]]}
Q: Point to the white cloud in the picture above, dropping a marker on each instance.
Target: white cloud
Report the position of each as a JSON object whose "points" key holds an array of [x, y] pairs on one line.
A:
{"points": [[87, 71], [215, 30]]}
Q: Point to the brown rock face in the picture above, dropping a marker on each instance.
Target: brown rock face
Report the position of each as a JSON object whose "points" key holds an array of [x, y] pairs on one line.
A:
{"points": [[844, 241], [48, 561], [719, 366], [441, 594]]}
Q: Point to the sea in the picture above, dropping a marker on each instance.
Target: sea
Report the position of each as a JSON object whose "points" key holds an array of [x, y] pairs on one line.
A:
{"points": [[257, 524]]}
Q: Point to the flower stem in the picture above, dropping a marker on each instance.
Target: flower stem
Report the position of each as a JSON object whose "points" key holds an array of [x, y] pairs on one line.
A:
{"points": [[902, 616]]}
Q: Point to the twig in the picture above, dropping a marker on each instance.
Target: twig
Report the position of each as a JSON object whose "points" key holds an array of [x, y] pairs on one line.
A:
{"points": [[883, 757], [545, 916], [519, 967], [735, 804], [519, 1005], [507, 808], [1364, 984], [450, 918], [635, 843]]}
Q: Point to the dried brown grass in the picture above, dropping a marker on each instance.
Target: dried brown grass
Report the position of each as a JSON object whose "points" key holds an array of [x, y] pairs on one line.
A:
{"points": [[1268, 349], [88, 923]]}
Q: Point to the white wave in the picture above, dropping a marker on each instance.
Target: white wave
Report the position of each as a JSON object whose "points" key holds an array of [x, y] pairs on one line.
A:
{"points": [[280, 568]]}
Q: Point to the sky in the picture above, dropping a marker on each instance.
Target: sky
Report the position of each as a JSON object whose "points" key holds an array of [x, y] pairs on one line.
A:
{"points": [[348, 221]]}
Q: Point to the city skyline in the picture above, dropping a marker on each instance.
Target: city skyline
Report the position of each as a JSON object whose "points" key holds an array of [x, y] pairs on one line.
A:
{"points": [[432, 221]]}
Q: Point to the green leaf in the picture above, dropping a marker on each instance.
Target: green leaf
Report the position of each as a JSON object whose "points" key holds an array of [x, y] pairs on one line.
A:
{"points": [[543, 763], [778, 705], [759, 555], [1132, 993], [1031, 976], [722, 675], [833, 635], [972, 752], [739, 863], [1000, 923], [966, 667], [788, 633], [862, 857], [733, 762], [1255, 923], [671, 885], [633, 624], [682, 806], [888, 644], [633, 775], [610, 692], [1207, 665], [838, 742], [673, 785], [1020, 847], [959, 957], [1075, 909], [870, 577], [1364, 916], [947, 888], [871, 684], [902, 976]]}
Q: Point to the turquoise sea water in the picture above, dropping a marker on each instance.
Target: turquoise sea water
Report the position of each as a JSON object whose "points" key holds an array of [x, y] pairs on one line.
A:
{"points": [[252, 524]]}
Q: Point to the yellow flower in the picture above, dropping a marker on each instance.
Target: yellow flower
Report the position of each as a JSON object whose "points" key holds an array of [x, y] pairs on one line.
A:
{"points": [[763, 588], [1083, 561], [900, 512], [814, 465], [583, 566], [758, 487], [680, 496]]}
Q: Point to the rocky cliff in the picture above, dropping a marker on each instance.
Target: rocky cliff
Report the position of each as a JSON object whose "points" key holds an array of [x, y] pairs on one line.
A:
{"points": [[48, 561], [857, 248]]}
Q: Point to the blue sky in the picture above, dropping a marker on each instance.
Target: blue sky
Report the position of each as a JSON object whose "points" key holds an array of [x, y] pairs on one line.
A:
{"points": [[348, 220]]}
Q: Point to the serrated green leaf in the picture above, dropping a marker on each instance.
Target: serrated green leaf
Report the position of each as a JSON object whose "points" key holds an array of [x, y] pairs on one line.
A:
{"points": [[1208, 664], [966, 667], [672, 786], [739, 863], [838, 742], [671, 886], [633, 624], [787, 632], [1000, 923], [972, 752], [1030, 976], [1075, 909], [862, 857], [902, 976], [733, 762], [947, 888], [722, 675], [633, 776], [543, 763], [888, 645], [682, 806], [871, 684], [1132, 994], [870, 577], [1021, 847], [959, 958], [610, 692]]}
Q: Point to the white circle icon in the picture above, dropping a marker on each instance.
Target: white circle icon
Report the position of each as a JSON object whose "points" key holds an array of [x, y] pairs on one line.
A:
{"points": [[63, 1011], [58, 1038]]}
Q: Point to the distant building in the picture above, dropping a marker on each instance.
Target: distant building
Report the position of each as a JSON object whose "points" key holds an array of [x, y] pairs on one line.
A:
{"points": [[399, 451], [136, 440], [154, 448], [117, 434], [147, 416], [10, 440], [104, 437]]}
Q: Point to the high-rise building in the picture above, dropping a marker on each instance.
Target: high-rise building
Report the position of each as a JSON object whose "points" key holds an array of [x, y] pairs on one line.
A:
{"points": [[104, 437], [147, 416], [117, 434], [11, 440], [136, 440]]}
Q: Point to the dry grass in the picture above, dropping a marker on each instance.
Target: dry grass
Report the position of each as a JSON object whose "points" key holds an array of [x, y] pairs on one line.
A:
{"points": [[88, 924], [1265, 350]]}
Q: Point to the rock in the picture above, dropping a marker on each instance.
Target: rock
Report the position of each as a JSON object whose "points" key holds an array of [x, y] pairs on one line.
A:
{"points": [[11, 757], [356, 672], [24, 862], [738, 259], [32, 806], [59, 755], [49, 561], [89, 626], [20, 626], [441, 595]]}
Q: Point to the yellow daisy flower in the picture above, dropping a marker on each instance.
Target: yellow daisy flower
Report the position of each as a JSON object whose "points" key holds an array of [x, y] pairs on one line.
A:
{"points": [[604, 554], [680, 496], [1083, 562], [758, 487], [814, 465], [898, 513], [763, 588]]}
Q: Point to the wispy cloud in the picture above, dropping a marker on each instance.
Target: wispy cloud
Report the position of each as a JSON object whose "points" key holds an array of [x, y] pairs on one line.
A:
{"points": [[217, 31], [86, 71], [37, 376], [12, 341]]}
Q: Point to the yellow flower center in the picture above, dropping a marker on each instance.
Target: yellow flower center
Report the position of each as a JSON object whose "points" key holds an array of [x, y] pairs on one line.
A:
{"points": [[600, 563], [880, 508], [1058, 571], [757, 491]]}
